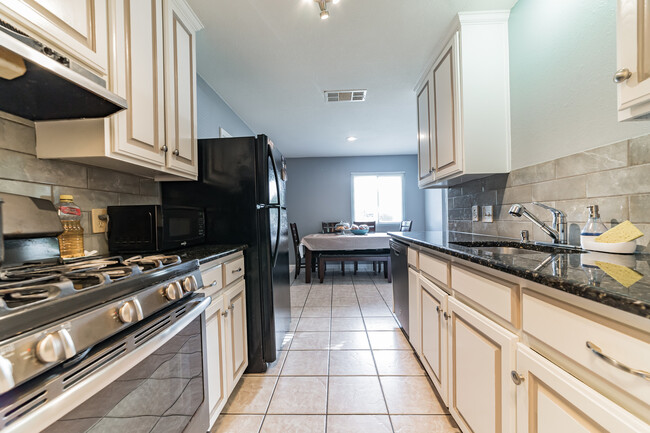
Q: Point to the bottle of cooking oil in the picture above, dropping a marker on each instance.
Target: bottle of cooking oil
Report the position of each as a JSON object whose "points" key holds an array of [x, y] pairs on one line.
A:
{"points": [[71, 241]]}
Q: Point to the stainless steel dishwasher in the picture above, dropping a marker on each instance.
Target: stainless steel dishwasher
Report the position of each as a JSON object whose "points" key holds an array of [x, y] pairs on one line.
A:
{"points": [[399, 266]]}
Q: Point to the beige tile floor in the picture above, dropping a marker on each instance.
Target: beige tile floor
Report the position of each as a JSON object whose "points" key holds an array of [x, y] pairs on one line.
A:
{"points": [[345, 367]]}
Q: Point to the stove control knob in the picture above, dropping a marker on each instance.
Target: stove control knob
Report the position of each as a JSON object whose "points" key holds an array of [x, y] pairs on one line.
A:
{"points": [[190, 284], [130, 312], [56, 346], [6, 375], [174, 291]]}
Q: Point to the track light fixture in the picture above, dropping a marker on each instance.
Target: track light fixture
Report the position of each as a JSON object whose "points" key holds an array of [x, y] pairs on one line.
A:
{"points": [[322, 5]]}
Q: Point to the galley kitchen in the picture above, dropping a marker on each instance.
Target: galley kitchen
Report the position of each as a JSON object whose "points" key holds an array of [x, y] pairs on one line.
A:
{"points": [[324, 216]]}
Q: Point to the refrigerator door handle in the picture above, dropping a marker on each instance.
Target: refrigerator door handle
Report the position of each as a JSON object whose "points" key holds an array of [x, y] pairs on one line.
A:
{"points": [[274, 257], [268, 206], [275, 171]]}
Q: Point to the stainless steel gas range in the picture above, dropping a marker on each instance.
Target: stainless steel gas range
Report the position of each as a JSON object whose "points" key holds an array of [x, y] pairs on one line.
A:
{"points": [[104, 344]]}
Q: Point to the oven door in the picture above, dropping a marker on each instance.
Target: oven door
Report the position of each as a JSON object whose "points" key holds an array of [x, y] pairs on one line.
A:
{"points": [[150, 378], [182, 227]]}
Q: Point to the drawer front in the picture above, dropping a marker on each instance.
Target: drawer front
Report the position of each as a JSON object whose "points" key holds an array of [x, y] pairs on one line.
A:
{"points": [[435, 267], [233, 270], [496, 295], [568, 332], [413, 258], [212, 281]]}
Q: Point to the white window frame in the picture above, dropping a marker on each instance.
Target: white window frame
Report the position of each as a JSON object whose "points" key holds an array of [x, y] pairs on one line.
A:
{"points": [[379, 173]]}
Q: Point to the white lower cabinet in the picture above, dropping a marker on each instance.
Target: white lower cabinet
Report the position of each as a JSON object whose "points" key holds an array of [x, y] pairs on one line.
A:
{"points": [[236, 338], [550, 400], [225, 333], [434, 335], [415, 324], [481, 357], [215, 335]]}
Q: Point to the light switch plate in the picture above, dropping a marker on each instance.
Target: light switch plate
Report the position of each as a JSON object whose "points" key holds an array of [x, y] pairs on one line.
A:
{"points": [[99, 226], [476, 213], [488, 215]]}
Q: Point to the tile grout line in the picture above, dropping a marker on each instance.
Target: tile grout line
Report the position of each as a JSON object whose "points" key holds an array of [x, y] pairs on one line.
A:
{"points": [[277, 380], [372, 353]]}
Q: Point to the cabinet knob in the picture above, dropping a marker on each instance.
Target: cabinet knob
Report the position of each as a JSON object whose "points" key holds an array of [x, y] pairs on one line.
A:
{"points": [[232, 307], [176, 152], [516, 377], [164, 148], [622, 75], [437, 309], [225, 313]]}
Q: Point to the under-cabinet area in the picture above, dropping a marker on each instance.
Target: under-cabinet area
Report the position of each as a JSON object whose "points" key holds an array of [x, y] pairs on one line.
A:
{"points": [[510, 355]]}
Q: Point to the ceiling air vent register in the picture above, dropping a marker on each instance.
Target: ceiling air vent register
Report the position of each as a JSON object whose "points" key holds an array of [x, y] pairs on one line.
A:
{"points": [[345, 95]]}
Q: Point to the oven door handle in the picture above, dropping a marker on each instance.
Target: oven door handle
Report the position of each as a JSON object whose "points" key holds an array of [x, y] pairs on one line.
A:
{"points": [[55, 409]]}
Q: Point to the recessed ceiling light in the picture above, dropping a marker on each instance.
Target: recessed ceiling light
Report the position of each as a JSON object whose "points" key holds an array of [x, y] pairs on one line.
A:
{"points": [[324, 15], [351, 138]]}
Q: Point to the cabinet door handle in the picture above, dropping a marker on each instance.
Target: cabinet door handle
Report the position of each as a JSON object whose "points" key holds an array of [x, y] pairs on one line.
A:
{"points": [[437, 309], [212, 284], [164, 148], [234, 271], [225, 313], [445, 315], [608, 359], [176, 152], [516, 377], [232, 307], [622, 75]]}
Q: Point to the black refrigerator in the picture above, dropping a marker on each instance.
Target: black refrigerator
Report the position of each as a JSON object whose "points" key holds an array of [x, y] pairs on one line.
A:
{"points": [[242, 187]]}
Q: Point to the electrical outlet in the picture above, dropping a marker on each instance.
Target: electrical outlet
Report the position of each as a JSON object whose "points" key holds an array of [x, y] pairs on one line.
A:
{"points": [[99, 226], [488, 215], [476, 213]]}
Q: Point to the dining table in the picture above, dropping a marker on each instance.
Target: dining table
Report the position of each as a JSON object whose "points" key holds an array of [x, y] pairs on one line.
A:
{"points": [[320, 242]]}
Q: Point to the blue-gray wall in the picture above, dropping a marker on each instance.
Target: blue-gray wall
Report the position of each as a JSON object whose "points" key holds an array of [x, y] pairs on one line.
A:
{"points": [[319, 189], [562, 59], [214, 113]]}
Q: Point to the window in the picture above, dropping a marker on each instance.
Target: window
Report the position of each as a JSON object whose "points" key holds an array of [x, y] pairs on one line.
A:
{"points": [[378, 197]]}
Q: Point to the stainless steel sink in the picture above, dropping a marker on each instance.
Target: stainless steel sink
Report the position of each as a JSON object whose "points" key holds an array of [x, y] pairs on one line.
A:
{"points": [[508, 250], [516, 248]]}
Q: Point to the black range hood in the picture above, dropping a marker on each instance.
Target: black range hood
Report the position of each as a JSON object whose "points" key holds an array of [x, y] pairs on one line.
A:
{"points": [[51, 89]]}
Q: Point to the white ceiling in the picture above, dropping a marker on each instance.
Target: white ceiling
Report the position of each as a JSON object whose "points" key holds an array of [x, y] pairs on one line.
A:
{"points": [[271, 60]]}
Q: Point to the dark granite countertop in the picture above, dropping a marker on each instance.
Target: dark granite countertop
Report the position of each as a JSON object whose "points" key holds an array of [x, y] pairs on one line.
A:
{"points": [[573, 272], [207, 252]]}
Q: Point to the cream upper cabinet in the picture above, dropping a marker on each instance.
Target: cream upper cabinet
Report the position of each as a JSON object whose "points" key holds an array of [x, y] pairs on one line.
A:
{"points": [[550, 400], [434, 335], [153, 66], [633, 59], [425, 152], [446, 114], [75, 28], [481, 356], [140, 130], [180, 26], [468, 87]]}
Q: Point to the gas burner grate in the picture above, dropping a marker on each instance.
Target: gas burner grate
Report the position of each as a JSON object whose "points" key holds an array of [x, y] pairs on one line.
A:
{"points": [[153, 262]]}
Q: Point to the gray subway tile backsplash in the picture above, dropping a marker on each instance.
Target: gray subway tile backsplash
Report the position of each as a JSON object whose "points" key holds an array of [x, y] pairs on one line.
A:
{"points": [[22, 173], [616, 177]]}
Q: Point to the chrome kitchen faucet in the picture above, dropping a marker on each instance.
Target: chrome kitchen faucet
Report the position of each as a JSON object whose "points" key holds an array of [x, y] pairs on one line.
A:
{"points": [[559, 230]]}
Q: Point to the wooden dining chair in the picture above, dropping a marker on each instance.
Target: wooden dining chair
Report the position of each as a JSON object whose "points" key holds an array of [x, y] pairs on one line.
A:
{"points": [[405, 226], [329, 227], [372, 228], [300, 262]]}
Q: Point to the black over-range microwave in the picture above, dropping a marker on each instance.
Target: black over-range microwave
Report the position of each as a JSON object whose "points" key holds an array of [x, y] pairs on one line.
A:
{"points": [[151, 228]]}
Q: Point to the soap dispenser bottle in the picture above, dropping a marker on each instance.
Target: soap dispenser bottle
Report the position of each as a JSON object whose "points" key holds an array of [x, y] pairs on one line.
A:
{"points": [[593, 228]]}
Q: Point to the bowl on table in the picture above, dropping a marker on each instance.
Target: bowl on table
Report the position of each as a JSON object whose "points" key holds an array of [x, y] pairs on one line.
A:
{"points": [[359, 231]]}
